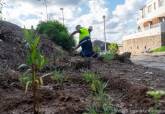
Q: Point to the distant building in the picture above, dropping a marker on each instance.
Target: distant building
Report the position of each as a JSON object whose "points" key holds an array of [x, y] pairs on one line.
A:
{"points": [[151, 29]]}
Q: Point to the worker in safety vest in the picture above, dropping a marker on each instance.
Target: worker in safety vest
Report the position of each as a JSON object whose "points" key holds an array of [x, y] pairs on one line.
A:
{"points": [[85, 41]]}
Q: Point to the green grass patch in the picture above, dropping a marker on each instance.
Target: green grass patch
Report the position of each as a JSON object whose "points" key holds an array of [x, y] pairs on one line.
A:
{"points": [[161, 49]]}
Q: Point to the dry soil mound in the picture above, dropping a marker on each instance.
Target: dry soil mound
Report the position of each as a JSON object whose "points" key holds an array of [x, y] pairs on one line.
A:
{"points": [[13, 50]]}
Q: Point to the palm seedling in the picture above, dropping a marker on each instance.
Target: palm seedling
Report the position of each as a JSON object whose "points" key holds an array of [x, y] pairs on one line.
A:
{"points": [[35, 61]]}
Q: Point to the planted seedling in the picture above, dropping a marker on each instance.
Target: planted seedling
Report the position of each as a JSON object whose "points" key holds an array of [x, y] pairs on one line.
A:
{"points": [[90, 76], [35, 61], [91, 110], [58, 77], [101, 102], [156, 95], [98, 86]]}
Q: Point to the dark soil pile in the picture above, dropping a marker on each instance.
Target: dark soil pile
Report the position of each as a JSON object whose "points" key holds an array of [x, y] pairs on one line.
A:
{"points": [[13, 50]]}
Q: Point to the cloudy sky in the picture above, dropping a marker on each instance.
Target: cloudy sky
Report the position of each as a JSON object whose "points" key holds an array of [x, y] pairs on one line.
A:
{"points": [[121, 15]]}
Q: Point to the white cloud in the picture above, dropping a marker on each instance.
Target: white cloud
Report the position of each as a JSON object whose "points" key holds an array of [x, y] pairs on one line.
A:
{"points": [[84, 12]]}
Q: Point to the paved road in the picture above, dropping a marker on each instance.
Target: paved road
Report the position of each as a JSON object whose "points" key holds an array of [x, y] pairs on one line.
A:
{"points": [[156, 60]]}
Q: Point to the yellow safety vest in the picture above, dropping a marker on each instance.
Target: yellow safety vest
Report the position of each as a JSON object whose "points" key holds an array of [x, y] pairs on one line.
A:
{"points": [[84, 32]]}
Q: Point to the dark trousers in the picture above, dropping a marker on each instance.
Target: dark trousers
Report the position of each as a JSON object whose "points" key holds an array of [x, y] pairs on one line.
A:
{"points": [[87, 49]]}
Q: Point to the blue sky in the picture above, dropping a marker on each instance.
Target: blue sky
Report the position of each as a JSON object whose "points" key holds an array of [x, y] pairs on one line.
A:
{"points": [[120, 15], [111, 4]]}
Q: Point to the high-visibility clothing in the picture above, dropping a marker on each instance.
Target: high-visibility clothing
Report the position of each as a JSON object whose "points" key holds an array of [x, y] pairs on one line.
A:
{"points": [[84, 32]]}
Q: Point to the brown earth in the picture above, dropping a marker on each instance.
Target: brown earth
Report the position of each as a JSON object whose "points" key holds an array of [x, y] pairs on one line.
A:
{"points": [[127, 83]]}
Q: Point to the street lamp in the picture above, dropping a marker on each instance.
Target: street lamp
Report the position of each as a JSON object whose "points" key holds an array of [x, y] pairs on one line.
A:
{"points": [[62, 11], [105, 40]]}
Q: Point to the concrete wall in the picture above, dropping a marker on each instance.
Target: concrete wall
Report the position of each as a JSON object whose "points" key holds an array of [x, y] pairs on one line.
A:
{"points": [[140, 45]]}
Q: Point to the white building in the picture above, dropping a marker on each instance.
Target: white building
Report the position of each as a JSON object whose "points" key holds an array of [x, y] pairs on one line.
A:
{"points": [[151, 28]]}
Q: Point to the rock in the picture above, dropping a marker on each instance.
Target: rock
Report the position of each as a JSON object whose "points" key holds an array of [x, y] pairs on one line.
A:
{"points": [[79, 62], [125, 57]]}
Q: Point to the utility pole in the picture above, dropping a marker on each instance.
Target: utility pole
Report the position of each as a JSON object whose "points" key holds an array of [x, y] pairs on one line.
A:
{"points": [[62, 11], [105, 40], [1, 7], [46, 6]]}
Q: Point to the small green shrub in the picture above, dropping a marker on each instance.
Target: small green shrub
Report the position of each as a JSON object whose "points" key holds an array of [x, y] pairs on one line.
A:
{"points": [[58, 77], [57, 32], [97, 49], [113, 48], [108, 56]]}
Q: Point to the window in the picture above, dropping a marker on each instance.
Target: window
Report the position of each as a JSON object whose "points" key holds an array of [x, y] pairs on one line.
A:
{"points": [[149, 8], [154, 6], [143, 13]]}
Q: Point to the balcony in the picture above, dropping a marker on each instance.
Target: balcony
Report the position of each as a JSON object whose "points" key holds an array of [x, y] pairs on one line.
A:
{"points": [[152, 31], [160, 12]]}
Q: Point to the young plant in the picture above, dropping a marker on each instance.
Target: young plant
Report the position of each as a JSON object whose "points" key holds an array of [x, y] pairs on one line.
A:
{"points": [[156, 95], [113, 48], [91, 110], [90, 76], [101, 102], [36, 61], [58, 77], [26, 80], [97, 49], [108, 56]]}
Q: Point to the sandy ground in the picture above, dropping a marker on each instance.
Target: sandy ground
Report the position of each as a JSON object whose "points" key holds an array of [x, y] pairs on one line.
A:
{"points": [[155, 60]]}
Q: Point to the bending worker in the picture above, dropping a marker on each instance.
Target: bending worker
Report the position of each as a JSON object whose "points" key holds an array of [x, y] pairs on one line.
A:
{"points": [[84, 41]]}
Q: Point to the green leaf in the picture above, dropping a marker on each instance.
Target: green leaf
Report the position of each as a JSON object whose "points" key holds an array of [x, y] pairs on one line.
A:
{"points": [[27, 86]]}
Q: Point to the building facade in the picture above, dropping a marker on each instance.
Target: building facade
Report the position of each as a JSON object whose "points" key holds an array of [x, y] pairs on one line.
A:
{"points": [[151, 29]]}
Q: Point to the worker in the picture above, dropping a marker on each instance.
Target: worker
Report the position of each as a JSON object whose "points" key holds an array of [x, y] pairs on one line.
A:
{"points": [[84, 41]]}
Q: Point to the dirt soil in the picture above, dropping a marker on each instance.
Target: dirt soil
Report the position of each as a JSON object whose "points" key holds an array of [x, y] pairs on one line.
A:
{"points": [[127, 83]]}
